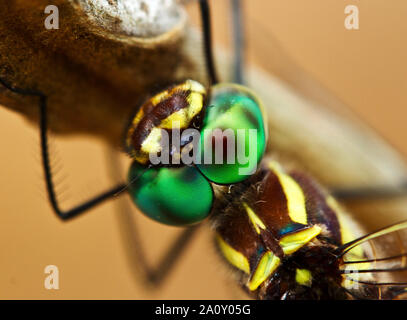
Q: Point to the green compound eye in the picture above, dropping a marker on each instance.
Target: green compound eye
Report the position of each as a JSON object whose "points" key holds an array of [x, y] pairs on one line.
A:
{"points": [[232, 109], [173, 196]]}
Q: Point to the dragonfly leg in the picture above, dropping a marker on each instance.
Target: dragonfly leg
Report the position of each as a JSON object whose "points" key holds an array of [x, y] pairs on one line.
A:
{"points": [[207, 38], [156, 276], [135, 247], [81, 208], [152, 275], [238, 33]]}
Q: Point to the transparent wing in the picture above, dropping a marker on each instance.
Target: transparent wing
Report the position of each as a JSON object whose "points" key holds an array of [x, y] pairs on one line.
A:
{"points": [[312, 129], [310, 124], [384, 269]]}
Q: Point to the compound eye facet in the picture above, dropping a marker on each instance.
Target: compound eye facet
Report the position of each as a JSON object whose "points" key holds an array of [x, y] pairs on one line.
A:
{"points": [[233, 127], [174, 196]]}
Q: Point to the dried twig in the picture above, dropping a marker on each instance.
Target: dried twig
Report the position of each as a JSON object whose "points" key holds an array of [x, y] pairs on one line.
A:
{"points": [[95, 74]]}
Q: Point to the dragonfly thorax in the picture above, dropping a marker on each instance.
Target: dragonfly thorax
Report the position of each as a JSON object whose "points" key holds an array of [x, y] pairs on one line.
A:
{"points": [[282, 235]]}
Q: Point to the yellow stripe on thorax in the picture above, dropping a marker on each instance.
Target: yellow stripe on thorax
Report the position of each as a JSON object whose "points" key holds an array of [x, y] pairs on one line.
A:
{"points": [[303, 277], [293, 192], [184, 116], [294, 241], [254, 219], [153, 142], [267, 265], [349, 279], [234, 257]]}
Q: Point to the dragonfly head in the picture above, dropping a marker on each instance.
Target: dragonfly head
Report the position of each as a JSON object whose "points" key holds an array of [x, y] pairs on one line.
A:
{"points": [[183, 146]]}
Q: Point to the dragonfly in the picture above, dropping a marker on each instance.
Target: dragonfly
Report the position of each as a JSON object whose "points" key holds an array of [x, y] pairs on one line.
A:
{"points": [[283, 235]]}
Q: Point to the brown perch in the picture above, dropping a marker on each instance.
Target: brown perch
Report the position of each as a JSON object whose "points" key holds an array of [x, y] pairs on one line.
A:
{"points": [[94, 75]]}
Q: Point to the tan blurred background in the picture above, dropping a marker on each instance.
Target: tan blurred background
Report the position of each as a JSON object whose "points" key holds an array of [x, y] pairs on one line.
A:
{"points": [[366, 69]]}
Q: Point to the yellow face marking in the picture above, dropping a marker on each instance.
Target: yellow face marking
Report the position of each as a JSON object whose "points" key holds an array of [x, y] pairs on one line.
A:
{"points": [[177, 120], [152, 142], [188, 85], [185, 115], [195, 102], [234, 257], [195, 98], [293, 192], [303, 277], [267, 265], [292, 242], [195, 86], [255, 220]]}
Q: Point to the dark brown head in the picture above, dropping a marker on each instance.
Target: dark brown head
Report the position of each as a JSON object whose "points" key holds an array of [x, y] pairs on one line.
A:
{"points": [[180, 105]]}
